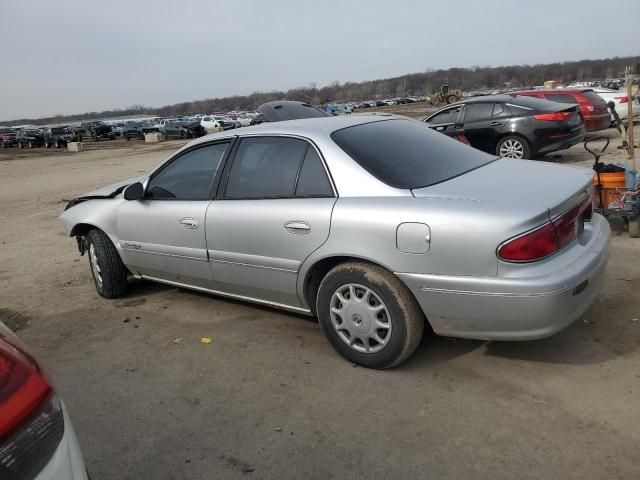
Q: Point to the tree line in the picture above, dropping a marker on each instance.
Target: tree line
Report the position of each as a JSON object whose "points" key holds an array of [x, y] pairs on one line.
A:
{"points": [[471, 78]]}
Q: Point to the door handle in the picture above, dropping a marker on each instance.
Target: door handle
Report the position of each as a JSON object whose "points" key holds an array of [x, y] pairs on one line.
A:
{"points": [[190, 223], [297, 227], [495, 124]]}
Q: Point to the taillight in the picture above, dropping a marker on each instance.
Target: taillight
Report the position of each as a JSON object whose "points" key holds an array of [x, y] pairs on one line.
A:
{"points": [[31, 419], [22, 386], [549, 238], [624, 99], [590, 108], [553, 117]]}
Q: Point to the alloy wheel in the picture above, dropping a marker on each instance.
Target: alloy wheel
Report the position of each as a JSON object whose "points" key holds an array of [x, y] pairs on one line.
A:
{"points": [[512, 148]]}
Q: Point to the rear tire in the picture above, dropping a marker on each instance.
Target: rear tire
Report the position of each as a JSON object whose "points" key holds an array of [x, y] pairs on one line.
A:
{"points": [[634, 227], [513, 146], [108, 272], [368, 315]]}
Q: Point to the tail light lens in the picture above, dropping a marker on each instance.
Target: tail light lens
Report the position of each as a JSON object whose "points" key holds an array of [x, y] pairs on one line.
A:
{"points": [[590, 108], [554, 117], [549, 238], [31, 419], [624, 99]]}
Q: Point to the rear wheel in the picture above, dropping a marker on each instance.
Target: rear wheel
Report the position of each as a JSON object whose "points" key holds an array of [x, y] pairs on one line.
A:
{"points": [[634, 227], [108, 272], [183, 134], [513, 146], [368, 315], [20, 145]]}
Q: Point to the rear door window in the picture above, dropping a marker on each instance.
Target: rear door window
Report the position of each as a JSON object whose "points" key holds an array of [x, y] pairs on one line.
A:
{"points": [[313, 180], [477, 111], [265, 167]]}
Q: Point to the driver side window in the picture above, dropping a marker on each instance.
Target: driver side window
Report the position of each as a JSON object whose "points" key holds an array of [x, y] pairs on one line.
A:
{"points": [[190, 176]]}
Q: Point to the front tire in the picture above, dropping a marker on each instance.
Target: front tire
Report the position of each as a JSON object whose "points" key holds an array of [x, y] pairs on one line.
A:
{"points": [[108, 272], [513, 146], [368, 315]]}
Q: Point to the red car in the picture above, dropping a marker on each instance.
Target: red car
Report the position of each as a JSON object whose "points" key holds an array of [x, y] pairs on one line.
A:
{"points": [[592, 107]]}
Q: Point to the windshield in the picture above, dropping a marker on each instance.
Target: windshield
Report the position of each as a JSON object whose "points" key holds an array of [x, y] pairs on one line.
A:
{"points": [[32, 132], [408, 154], [59, 130]]}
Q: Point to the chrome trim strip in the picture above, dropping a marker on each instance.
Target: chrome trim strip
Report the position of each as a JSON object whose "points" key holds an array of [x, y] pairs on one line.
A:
{"points": [[495, 294], [282, 306], [213, 260], [164, 254]]}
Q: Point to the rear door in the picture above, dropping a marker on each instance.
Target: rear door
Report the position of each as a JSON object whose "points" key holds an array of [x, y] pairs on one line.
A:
{"points": [[272, 211], [163, 235], [483, 123]]}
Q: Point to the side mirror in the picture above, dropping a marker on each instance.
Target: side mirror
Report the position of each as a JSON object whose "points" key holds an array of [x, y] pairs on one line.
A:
{"points": [[135, 191]]}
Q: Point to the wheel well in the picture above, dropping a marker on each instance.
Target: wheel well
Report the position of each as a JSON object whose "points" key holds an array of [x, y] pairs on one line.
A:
{"points": [[81, 229], [318, 271]]}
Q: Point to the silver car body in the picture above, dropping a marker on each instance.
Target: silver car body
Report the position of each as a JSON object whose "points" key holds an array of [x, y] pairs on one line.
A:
{"points": [[440, 240]]}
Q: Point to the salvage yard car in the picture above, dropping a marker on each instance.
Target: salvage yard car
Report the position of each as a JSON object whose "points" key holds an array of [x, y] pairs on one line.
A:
{"points": [[29, 137], [593, 108], [37, 440], [57, 137], [94, 131], [509, 126], [7, 137], [375, 224]]}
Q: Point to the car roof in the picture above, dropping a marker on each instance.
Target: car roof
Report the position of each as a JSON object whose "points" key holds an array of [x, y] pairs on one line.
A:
{"points": [[556, 90], [487, 99], [304, 127]]}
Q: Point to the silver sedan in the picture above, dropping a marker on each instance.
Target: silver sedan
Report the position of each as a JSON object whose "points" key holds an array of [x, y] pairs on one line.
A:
{"points": [[375, 224]]}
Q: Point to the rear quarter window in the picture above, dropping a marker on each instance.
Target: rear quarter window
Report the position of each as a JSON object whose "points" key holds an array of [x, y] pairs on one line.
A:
{"points": [[408, 154]]}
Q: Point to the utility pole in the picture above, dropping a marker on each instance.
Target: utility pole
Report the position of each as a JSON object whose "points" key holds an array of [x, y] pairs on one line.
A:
{"points": [[632, 152]]}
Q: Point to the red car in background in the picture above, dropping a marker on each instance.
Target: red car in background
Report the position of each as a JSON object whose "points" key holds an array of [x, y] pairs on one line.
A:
{"points": [[592, 107]]}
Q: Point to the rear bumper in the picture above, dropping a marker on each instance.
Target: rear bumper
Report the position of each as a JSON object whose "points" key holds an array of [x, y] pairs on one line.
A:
{"points": [[525, 306], [593, 123], [554, 144], [67, 462]]}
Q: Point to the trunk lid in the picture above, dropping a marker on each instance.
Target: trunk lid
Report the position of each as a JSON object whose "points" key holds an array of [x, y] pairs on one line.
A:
{"points": [[529, 187]]}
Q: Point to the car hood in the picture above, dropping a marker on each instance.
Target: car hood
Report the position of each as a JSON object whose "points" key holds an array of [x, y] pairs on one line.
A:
{"points": [[522, 184]]}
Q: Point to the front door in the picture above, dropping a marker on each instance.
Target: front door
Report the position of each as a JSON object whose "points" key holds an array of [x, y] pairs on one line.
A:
{"points": [[163, 235], [273, 211]]}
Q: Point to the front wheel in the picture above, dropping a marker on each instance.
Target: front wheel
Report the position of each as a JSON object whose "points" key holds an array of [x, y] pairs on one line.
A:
{"points": [[368, 315], [108, 272], [513, 146]]}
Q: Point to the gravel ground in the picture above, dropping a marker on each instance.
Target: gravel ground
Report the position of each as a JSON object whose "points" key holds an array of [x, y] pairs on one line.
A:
{"points": [[269, 398]]}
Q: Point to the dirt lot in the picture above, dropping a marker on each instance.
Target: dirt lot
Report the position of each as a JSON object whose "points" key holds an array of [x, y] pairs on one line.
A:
{"points": [[269, 398]]}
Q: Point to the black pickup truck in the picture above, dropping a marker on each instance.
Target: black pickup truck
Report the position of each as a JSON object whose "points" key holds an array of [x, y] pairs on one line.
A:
{"points": [[57, 137], [93, 131]]}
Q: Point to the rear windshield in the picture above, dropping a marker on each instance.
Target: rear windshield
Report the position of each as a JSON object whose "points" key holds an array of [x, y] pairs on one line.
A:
{"points": [[593, 97], [530, 102], [408, 154]]}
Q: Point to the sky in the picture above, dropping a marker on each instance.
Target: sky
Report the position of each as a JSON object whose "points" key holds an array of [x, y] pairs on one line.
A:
{"points": [[67, 56]]}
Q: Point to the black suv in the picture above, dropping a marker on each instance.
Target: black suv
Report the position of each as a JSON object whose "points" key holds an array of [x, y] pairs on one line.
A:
{"points": [[511, 126], [93, 130], [57, 137], [29, 137]]}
